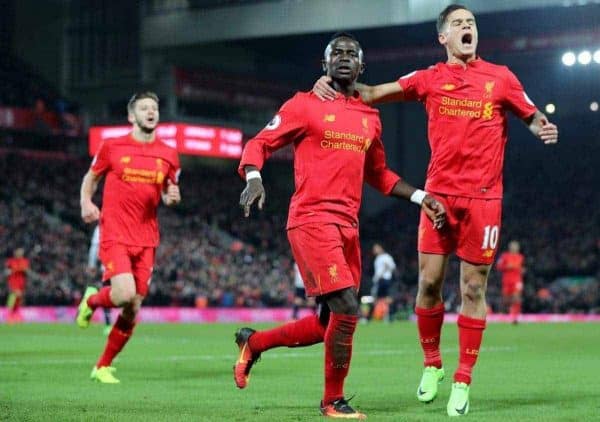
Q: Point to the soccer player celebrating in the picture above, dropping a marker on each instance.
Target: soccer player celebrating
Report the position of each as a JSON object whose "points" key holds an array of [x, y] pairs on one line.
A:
{"points": [[139, 170], [466, 99], [337, 146], [17, 268], [510, 264]]}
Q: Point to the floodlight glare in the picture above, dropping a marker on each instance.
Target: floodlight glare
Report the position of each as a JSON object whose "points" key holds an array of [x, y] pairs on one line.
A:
{"points": [[597, 56], [569, 58], [594, 106], [585, 57], [550, 108]]}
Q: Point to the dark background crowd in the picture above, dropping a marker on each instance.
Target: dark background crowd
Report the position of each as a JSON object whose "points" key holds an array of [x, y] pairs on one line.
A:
{"points": [[210, 255], [61, 74]]}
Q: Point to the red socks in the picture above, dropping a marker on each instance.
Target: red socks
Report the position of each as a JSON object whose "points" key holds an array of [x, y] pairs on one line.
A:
{"points": [[515, 311], [470, 333], [338, 353], [429, 323], [101, 299], [304, 332], [118, 337]]}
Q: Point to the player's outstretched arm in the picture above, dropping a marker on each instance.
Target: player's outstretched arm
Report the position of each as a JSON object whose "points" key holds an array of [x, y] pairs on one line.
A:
{"points": [[371, 94], [254, 190], [432, 207], [541, 127], [171, 196], [89, 210]]}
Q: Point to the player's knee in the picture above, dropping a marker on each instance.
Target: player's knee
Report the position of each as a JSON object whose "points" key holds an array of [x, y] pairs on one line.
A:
{"points": [[343, 302], [474, 290], [123, 296], [429, 286]]}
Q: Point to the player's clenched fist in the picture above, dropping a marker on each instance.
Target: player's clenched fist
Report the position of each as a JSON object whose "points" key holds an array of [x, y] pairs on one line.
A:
{"points": [[172, 196], [89, 212], [254, 190]]}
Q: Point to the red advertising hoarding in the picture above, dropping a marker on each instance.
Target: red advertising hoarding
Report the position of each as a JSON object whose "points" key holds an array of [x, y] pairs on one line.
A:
{"points": [[207, 141]]}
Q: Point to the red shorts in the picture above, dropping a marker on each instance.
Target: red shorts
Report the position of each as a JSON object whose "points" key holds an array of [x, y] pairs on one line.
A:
{"points": [[328, 257], [120, 259], [512, 288], [472, 229], [17, 283]]}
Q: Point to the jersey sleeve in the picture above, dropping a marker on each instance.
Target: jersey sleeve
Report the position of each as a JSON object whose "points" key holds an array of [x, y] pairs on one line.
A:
{"points": [[174, 168], [377, 173], [288, 125], [101, 161], [516, 99], [414, 85]]}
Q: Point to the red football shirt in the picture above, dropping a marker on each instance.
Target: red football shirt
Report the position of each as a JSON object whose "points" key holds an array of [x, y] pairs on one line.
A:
{"points": [[467, 124], [337, 146], [136, 174], [17, 267], [511, 266]]}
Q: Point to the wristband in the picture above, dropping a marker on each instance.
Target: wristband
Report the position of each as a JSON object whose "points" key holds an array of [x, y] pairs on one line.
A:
{"points": [[418, 196], [252, 174]]}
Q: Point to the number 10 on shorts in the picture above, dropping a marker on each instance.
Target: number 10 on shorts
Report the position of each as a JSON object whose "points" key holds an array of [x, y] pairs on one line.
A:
{"points": [[490, 237]]}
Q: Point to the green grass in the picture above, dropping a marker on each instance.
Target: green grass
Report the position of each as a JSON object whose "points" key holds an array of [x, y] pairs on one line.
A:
{"points": [[183, 372]]}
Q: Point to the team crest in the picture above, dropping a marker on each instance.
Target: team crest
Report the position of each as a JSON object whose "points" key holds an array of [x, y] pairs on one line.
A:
{"points": [[333, 274], [489, 87]]}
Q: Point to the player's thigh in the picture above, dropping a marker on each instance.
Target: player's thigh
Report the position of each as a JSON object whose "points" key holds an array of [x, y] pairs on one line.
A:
{"points": [[122, 287], [440, 241], [352, 254], [318, 251], [432, 269], [142, 267], [115, 260], [479, 234]]}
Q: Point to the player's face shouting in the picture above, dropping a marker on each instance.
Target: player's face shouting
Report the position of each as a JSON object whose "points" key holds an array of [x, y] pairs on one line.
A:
{"points": [[145, 114], [459, 34], [343, 59]]}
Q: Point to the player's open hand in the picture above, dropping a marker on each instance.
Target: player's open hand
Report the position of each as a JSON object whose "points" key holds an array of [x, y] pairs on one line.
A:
{"points": [[254, 190], [435, 211], [89, 212], [548, 131], [172, 196], [323, 90]]}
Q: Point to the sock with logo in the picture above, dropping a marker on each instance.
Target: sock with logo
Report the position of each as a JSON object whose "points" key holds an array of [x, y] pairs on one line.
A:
{"points": [[429, 324], [338, 353], [470, 334]]}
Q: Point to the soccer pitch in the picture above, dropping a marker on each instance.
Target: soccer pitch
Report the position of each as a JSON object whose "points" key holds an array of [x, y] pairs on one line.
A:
{"points": [[530, 372]]}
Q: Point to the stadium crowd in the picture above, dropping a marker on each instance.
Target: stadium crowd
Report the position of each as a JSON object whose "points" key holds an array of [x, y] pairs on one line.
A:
{"points": [[211, 256]]}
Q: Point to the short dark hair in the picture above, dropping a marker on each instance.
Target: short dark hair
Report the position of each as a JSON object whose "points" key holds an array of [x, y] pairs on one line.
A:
{"points": [[444, 15], [140, 96], [342, 34]]}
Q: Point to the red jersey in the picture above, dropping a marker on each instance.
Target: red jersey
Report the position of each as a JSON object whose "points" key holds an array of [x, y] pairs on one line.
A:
{"points": [[337, 146], [18, 268], [136, 174], [511, 266], [467, 124]]}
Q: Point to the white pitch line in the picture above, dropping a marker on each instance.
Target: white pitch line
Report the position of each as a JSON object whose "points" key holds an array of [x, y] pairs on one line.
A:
{"points": [[270, 355]]}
